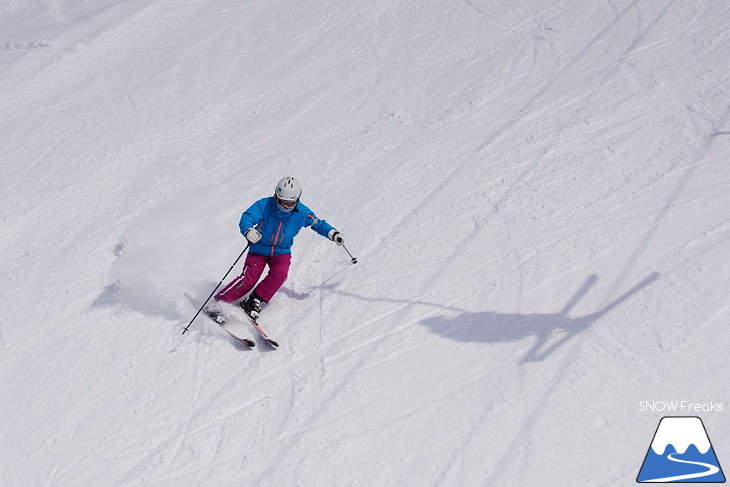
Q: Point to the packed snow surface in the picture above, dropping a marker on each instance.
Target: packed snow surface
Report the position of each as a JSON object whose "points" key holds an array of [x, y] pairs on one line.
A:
{"points": [[537, 193]]}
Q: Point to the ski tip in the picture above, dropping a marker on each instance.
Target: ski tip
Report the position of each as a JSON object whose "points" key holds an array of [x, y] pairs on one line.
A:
{"points": [[248, 342], [273, 343]]}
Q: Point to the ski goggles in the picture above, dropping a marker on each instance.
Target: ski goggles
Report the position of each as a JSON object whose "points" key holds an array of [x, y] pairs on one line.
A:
{"points": [[286, 204]]}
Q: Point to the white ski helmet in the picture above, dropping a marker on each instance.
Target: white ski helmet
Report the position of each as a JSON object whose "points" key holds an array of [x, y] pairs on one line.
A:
{"points": [[287, 194]]}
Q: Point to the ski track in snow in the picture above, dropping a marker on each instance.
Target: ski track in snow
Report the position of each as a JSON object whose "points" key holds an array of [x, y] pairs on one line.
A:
{"points": [[536, 193]]}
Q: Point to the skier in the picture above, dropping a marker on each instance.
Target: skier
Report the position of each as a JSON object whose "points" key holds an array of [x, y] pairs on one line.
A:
{"points": [[270, 226]]}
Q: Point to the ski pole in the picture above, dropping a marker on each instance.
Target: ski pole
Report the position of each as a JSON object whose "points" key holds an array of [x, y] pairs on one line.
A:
{"points": [[354, 260], [216, 288]]}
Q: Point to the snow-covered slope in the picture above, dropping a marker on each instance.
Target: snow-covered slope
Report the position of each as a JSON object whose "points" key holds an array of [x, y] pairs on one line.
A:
{"points": [[537, 193]]}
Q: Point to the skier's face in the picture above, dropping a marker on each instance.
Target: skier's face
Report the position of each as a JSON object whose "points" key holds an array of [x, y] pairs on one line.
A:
{"points": [[286, 205]]}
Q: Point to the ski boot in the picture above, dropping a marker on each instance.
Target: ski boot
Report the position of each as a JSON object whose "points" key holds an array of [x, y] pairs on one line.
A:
{"points": [[214, 311], [252, 305]]}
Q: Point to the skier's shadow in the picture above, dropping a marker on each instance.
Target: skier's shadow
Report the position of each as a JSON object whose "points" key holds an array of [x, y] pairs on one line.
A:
{"points": [[551, 331]]}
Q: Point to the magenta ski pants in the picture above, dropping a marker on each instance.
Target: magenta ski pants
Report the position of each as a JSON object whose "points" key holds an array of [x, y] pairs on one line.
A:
{"points": [[252, 270]]}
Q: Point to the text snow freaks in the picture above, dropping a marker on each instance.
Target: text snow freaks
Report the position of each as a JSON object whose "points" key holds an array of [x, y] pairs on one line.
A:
{"points": [[680, 407]]}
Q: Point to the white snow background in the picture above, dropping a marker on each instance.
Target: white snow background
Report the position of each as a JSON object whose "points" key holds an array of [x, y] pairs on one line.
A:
{"points": [[537, 192]]}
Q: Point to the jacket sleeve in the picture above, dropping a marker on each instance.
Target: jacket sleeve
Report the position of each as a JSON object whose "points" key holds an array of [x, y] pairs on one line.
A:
{"points": [[319, 226], [253, 216]]}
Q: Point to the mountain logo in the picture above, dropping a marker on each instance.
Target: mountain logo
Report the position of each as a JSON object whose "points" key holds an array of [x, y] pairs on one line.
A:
{"points": [[681, 452]]}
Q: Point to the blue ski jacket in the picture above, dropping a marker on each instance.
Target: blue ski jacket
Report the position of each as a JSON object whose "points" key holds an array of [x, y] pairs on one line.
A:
{"points": [[278, 228]]}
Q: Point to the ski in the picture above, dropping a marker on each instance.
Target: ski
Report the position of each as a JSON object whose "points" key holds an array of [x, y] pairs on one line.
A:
{"points": [[258, 328], [230, 329], [233, 328]]}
